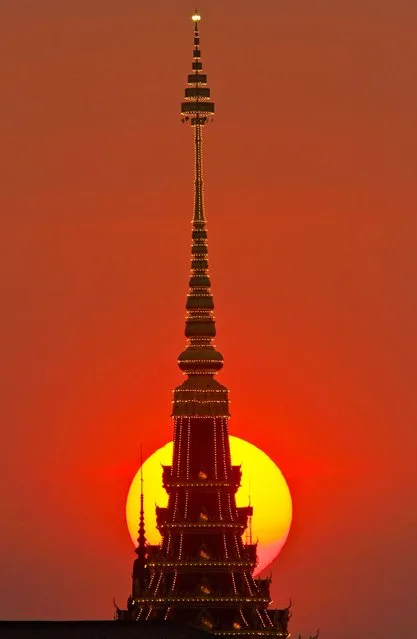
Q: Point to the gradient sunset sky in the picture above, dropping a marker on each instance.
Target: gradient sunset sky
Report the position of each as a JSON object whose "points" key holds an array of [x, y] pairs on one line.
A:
{"points": [[311, 199]]}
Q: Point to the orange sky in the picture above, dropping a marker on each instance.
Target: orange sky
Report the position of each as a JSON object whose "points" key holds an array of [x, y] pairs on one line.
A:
{"points": [[311, 200]]}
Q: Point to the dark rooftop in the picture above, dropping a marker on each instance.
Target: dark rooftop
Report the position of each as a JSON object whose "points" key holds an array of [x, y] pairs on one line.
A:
{"points": [[97, 630]]}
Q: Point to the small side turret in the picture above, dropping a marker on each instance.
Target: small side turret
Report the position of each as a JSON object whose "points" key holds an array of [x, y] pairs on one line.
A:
{"points": [[140, 575]]}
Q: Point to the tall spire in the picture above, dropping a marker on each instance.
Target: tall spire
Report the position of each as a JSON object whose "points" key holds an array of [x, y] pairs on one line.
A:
{"points": [[200, 356], [140, 569], [141, 531]]}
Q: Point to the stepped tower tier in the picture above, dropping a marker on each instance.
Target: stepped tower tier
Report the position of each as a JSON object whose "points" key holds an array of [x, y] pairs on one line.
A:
{"points": [[201, 573]]}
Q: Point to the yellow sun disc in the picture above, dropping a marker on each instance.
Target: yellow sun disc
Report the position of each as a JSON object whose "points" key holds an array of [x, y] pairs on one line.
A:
{"points": [[262, 480]]}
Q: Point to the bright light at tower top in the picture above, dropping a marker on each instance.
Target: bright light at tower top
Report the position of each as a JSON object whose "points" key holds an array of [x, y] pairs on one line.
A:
{"points": [[196, 17]]}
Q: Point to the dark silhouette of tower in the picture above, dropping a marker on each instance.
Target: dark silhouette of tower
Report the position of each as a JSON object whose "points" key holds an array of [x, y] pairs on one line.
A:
{"points": [[140, 576], [201, 573]]}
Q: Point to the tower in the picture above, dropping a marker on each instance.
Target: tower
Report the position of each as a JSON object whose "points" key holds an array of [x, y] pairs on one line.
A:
{"points": [[140, 574], [201, 573]]}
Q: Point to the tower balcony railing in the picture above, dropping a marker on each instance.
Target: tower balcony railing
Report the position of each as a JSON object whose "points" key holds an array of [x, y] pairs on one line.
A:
{"points": [[206, 600], [200, 484], [196, 107], [249, 632], [198, 526], [241, 521], [206, 564]]}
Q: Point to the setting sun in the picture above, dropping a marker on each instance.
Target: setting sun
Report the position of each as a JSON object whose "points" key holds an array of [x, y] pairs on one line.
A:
{"points": [[262, 483]]}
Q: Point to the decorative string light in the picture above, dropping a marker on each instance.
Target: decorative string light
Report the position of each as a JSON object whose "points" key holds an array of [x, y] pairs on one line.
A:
{"points": [[223, 423], [191, 483], [260, 617], [188, 449], [200, 401], [138, 616], [202, 524], [202, 390], [174, 451], [246, 632], [237, 546], [215, 448], [208, 600], [186, 505], [220, 506], [212, 413], [179, 446], [175, 507], [249, 632], [159, 582], [229, 501], [225, 546], [152, 580], [242, 616], [206, 562], [234, 583], [247, 583], [181, 542]]}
